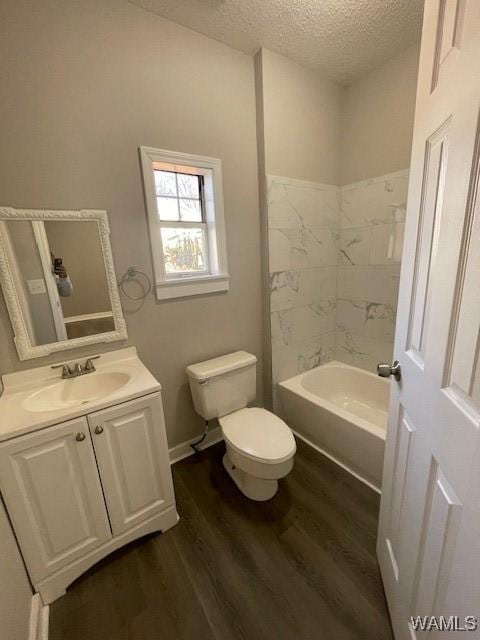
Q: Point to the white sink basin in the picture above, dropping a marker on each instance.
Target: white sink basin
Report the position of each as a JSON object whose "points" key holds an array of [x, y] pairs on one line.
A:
{"points": [[75, 391]]}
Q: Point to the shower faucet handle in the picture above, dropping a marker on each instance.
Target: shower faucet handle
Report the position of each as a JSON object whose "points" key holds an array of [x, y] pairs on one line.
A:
{"points": [[385, 370]]}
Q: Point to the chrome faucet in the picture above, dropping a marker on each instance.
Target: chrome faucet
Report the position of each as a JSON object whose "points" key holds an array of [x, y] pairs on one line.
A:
{"points": [[77, 369], [89, 366], [66, 371]]}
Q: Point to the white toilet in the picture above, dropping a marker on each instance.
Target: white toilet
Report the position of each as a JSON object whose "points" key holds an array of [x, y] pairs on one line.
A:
{"points": [[260, 446]]}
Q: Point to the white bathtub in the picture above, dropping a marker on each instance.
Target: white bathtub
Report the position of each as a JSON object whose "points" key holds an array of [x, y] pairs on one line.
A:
{"points": [[342, 411]]}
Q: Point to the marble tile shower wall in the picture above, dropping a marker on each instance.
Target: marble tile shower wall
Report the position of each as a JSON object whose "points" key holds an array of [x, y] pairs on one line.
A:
{"points": [[372, 221], [334, 263], [304, 223]]}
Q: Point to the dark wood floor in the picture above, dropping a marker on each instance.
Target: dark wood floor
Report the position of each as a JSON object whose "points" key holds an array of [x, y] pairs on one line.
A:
{"points": [[301, 566]]}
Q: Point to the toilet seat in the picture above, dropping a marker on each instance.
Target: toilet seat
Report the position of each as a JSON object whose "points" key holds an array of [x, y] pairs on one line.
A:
{"points": [[259, 435]]}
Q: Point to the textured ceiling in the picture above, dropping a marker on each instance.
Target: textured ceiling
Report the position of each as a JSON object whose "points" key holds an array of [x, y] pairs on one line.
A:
{"points": [[339, 38]]}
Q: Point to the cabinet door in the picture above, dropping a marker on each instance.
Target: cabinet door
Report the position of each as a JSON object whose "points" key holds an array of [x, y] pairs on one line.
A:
{"points": [[132, 455], [50, 483]]}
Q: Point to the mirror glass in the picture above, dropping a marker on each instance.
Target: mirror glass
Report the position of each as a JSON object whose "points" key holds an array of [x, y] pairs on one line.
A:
{"points": [[59, 276]]}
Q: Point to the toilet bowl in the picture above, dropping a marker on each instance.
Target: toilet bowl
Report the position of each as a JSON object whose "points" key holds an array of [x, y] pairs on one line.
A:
{"points": [[259, 451], [259, 445]]}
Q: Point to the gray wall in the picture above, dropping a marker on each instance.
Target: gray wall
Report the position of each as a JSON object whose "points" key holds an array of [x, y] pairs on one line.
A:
{"points": [[378, 111], [15, 590], [302, 121], [84, 85], [263, 203], [318, 131]]}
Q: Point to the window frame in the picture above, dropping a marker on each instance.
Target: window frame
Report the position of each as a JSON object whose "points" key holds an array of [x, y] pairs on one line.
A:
{"points": [[200, 199], [216, 278], [164, 223]]}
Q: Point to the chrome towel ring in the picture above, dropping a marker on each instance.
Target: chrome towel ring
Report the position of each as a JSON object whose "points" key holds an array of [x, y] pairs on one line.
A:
{"points": [[130, 273]]}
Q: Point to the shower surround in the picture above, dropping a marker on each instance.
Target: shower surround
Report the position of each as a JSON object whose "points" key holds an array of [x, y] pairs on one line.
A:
{"points": [[304, 220], [334, 267]]}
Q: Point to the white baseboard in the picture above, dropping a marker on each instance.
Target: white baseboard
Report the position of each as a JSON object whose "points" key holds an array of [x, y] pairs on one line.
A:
{"points": [[43, 623], [184, 449], [39, 614], [340, 464]]}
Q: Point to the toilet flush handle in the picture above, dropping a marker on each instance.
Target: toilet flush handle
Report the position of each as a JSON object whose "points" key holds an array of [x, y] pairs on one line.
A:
{"points": [[207, 381]]}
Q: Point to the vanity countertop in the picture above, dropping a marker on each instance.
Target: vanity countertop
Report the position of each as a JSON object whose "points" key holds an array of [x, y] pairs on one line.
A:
{"points": [[21, 389]]}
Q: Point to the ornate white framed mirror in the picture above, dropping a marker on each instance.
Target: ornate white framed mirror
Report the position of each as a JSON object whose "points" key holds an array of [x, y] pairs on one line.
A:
{"points": [[58, 280]]}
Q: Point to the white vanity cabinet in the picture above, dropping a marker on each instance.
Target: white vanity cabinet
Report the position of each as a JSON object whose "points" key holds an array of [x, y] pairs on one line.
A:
{"points": [[132, 458], [80, 489], [54, 497]]}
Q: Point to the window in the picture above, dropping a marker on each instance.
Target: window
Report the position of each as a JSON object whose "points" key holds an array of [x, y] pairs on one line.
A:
{"points": [[184, 201]]}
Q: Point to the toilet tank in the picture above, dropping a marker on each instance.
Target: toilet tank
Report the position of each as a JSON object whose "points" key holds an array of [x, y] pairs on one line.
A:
{"points": [[223, 385]]}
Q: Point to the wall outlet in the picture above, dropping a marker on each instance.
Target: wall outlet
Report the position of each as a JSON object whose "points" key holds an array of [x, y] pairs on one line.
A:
{"points": [[37, 286]]}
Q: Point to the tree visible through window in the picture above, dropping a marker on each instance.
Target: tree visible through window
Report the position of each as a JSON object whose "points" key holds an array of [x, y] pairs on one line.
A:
{"points": [[183, 250]]}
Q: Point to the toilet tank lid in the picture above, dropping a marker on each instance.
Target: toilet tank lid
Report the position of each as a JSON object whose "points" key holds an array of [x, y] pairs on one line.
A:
{"points": [[222, 364]]}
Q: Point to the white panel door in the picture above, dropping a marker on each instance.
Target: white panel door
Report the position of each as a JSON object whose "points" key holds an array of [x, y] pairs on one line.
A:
{"points": [[429, 534], [132, 455], [50, 483]]}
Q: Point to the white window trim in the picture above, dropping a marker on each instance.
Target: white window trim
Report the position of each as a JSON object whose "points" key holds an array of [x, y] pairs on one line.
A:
{"points": [[189, 285]]}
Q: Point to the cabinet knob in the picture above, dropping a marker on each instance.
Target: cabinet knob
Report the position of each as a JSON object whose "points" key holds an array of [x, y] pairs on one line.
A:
{"points": [[98, 430], [80, 437]]}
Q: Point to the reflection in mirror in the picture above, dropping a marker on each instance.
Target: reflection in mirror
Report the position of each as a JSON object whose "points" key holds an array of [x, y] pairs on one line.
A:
{"points": [[60, 274], [79, 272], [58, 280]]}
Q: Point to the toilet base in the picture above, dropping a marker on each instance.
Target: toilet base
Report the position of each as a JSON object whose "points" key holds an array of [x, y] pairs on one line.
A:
{"points": [[259, 489]]}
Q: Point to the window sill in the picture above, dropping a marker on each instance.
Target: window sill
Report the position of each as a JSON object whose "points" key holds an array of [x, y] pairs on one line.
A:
{"points": [[186, 287]]}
